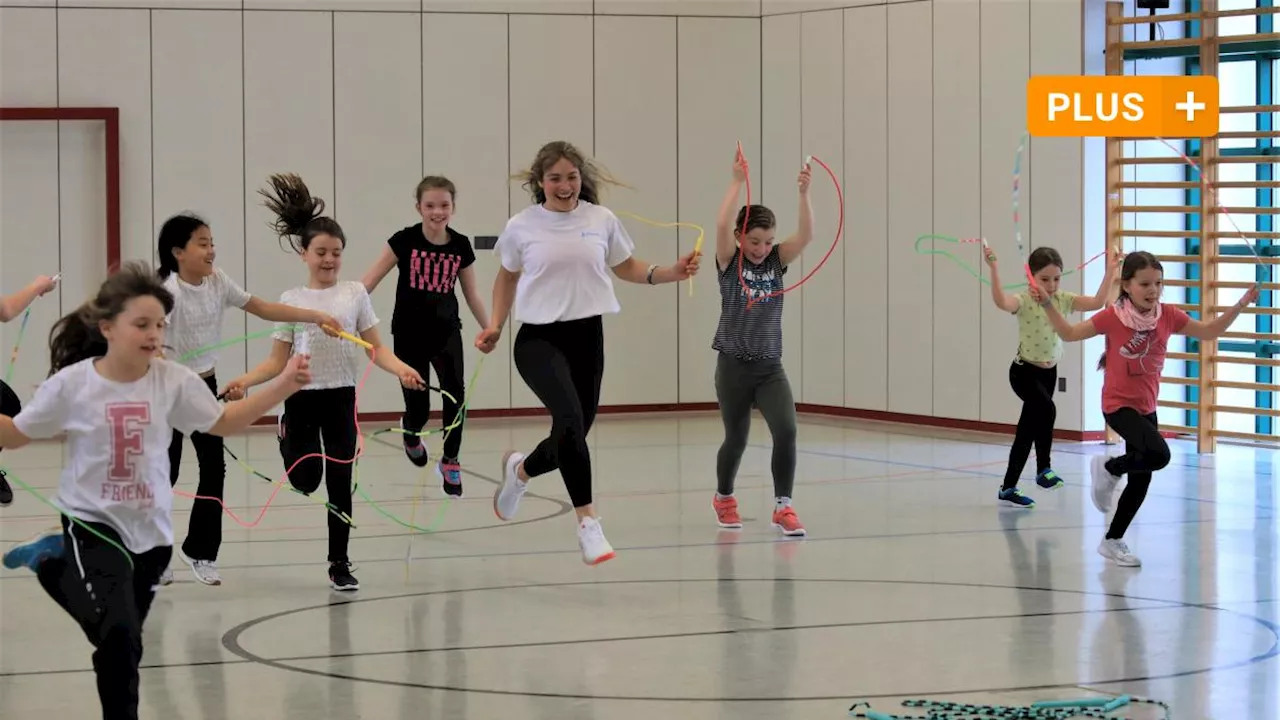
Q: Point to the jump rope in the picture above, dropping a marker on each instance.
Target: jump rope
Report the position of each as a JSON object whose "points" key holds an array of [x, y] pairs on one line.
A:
{"points": [[1017, 225]]}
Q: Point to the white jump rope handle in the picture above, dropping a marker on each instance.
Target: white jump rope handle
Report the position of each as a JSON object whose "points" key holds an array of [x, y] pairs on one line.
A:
{"points": [[302, 345]]}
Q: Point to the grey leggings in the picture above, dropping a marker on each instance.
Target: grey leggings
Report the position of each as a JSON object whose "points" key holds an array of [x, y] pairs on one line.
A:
{"points": [[740, 384]]}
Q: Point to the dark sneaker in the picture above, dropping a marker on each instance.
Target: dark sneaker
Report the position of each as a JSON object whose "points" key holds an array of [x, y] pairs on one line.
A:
{"points": [[340, 577], [413, 447], [1049, 480], [1014, 497], [450, 477]]}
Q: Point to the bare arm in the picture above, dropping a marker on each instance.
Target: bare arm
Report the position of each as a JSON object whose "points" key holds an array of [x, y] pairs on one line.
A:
{"points": [[472, 295], [1213, 329], [279, 312], [10, 436], [269, 368], [725, 242], [504, 295], [1004, 301], [1099, 299], [13, 305], [1071, 333], [636, 271], [789, 250], [238, 415], [379, 269], [385, 358]]}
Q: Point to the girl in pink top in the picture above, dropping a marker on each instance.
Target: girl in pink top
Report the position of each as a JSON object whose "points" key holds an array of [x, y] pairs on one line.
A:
{"points": [[1137, 329]]}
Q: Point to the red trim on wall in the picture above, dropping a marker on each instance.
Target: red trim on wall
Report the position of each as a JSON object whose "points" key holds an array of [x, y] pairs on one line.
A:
{"points": [[804, 408], [110, 117]]}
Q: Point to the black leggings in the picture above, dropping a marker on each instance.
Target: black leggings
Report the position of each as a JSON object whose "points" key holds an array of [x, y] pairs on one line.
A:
{"points": [[1034, 385], [444, 353], [563, 364], [204, 530], [1145, 452], [329, 415], [10, 403], [95, 583]]}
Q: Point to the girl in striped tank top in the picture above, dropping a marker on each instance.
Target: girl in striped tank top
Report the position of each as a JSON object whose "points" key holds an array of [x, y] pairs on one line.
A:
{"points": [[749, 342]]}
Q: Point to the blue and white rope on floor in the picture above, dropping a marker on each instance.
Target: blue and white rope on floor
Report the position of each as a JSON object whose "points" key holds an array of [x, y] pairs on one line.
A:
{"points": [[1104, 708]]}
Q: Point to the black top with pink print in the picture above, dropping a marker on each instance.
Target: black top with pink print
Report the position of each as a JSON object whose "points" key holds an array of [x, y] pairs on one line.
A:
{"points": [[425, 300]]}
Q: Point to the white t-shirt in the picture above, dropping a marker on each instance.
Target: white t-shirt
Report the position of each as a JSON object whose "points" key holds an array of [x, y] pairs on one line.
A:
{"points": [[196, 320], [335, 362], [118, 435], [564, 261]]}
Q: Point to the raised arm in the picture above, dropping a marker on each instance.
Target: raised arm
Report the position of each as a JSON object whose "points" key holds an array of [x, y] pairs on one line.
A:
{"points": [[725, 244], [379, 269], [1213, 329], [13, 305], [790, 249], [1099, 299], [1004, 301]]}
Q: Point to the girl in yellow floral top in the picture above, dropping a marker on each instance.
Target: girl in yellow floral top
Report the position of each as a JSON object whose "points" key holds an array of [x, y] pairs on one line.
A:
{"points": [[1033, 375]]}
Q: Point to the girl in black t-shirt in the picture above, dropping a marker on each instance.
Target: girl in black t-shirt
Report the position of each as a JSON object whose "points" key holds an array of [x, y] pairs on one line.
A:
{"points": [[431, 258]]}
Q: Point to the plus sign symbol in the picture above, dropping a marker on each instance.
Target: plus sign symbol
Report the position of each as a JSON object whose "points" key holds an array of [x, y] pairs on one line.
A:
{"points": [[1190, 106], [1122, 106]]}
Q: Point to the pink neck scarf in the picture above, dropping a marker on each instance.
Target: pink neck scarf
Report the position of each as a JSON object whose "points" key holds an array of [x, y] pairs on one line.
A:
{"points": [[1135, 319]]}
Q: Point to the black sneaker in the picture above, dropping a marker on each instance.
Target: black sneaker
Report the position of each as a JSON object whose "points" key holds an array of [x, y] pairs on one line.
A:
{"points": [[6, 492], [340, 577], [414, 448], [450, 477]]}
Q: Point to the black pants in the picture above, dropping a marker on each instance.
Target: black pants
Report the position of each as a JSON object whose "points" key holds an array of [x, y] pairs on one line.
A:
{"points": [[311, 416], [10, 403], [741, 384], [1034, 385], [204, 531], [1145, 452], [563, 364], [94, 583], [444, 353]]}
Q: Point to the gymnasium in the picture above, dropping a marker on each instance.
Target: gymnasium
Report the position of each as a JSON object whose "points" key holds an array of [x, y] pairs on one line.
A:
{"points": [[916, 588]]}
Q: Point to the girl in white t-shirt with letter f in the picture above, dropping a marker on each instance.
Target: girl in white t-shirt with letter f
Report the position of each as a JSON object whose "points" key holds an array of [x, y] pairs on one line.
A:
{"points": [[118, 404]]}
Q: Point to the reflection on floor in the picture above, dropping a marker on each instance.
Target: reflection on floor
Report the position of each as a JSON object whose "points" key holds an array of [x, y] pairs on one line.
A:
{"points": [[913, 583]]}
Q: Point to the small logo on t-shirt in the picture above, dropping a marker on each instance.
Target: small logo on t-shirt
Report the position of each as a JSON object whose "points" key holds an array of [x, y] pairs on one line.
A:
{"points": [[433, 271], [591, 233]]}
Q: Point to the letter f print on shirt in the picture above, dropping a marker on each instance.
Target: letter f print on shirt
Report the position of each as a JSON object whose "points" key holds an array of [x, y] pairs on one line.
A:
{"points": [[126, 421]]}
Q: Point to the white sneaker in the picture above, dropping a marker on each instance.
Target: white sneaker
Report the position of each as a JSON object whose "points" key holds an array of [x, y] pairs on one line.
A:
{"points": [[206, 571], [1104, 483], [166, 577], [1118, 552], [506, 500], [595, 549]]}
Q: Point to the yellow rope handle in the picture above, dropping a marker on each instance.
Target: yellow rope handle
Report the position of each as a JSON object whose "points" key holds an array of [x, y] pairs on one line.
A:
{"points": [[697, 244]]}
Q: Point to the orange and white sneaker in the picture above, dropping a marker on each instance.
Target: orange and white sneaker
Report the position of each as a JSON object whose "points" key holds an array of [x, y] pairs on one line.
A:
{"points": [[595, 549], [784, 518], [726, 511]]}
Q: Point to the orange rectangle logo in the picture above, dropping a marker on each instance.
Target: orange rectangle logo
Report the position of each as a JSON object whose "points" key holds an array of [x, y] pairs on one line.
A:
{"points": [[1122, 106]]}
